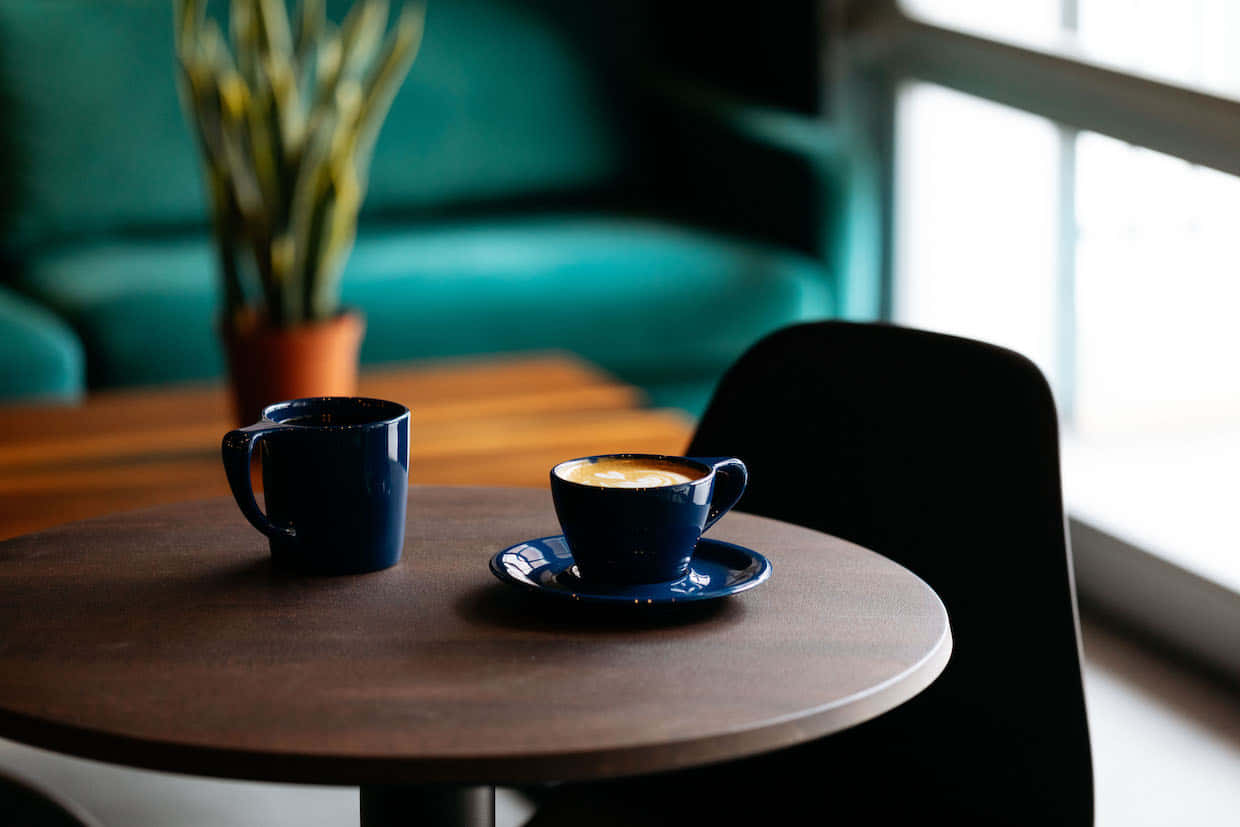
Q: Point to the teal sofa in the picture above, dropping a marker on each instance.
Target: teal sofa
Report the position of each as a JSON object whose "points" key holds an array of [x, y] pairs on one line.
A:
{"points": [[578, 176]]}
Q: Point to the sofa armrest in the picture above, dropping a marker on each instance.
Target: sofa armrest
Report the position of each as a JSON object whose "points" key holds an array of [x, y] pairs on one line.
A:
{"points": [[787, 131], [42, 357], [726, 136]]}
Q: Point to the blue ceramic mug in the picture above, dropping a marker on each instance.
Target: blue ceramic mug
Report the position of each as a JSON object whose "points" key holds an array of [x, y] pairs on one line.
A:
{"points": [[636, 518], [335, 479]]}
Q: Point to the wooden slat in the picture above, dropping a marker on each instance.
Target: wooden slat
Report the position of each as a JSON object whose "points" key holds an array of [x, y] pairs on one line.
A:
{"points": [[90, 442], [487, 383], [494, 422], [145, 423], [608, 431]]}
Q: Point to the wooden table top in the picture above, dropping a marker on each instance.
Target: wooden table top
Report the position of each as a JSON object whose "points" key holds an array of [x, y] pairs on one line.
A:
{"points": [[163, 638], [491, 421]]}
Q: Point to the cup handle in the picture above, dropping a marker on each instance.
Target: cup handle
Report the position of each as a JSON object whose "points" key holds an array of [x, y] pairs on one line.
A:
{"points": [[731, 476], [237, 449]]}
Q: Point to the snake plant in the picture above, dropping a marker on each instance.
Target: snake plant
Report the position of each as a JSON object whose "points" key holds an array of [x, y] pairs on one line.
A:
{"points": [[286, 117]]}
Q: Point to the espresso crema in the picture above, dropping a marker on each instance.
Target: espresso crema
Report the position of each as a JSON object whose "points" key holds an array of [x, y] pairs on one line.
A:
{"points": [[629, 473]]}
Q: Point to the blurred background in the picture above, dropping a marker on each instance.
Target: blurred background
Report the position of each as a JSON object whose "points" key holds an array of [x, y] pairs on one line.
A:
{"points": [[655, 185]]}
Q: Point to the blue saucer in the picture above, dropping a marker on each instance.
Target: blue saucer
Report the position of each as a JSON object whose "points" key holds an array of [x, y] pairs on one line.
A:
{"points": [[546, 566]]}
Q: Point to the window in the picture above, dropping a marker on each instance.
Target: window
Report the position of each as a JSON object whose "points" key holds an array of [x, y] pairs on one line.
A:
{"points": [[1017, 219], [975, 222]]}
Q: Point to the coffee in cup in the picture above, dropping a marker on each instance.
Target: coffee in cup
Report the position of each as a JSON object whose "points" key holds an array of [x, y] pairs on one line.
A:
{"points": [[628, 472], [636, 518]]}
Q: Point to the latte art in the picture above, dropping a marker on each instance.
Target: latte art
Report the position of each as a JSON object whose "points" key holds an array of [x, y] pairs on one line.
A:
{"points": [[629, 473], [636, 478]]}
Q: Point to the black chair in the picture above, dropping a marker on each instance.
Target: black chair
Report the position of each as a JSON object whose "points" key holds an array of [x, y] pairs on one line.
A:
{"points": [[942, 454], [24, 803]]}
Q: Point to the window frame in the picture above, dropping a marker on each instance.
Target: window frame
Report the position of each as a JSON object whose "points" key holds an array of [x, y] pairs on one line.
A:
{"points": [[873, 48]]}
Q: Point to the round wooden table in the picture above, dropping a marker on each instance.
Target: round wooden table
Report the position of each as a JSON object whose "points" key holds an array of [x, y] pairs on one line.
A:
{"points": [[164, 639]]}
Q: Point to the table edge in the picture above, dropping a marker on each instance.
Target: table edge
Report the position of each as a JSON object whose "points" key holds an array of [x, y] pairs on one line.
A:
{"points": [[336, 770], [237, 764]]}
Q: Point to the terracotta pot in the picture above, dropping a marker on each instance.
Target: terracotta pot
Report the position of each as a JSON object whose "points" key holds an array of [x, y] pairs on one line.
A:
{"points": [[270, 364]]}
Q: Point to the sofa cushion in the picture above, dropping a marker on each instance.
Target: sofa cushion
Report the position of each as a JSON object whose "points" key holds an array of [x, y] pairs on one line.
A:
{"points": [[42, 356], [504, 100], [656, 303], [144, 310]]}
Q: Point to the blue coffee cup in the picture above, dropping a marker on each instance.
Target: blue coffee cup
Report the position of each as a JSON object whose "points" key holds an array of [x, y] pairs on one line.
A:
{"points": [[641, 529], [335, 481]]}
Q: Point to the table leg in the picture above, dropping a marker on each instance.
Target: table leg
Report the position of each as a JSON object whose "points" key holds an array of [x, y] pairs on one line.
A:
{"points": [[417, 805]]}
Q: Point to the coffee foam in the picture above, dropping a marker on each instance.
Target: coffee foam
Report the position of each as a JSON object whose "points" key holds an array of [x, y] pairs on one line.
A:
{"points": [[634, 472]]}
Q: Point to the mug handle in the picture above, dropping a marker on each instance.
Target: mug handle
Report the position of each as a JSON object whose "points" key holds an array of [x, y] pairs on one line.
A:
{"points": [[237, 449], [733, 475]]}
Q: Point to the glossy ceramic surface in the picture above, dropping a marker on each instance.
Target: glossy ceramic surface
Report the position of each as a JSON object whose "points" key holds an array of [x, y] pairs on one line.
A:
{"points": [[335, 477], [644, 535], [546, 566]]}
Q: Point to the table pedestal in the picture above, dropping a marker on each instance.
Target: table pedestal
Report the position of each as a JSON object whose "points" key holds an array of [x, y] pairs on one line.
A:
{"points": [[440, 805]]}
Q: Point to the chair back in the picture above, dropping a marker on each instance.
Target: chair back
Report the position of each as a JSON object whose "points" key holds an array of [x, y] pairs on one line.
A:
{"points": [[940, 453]]}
